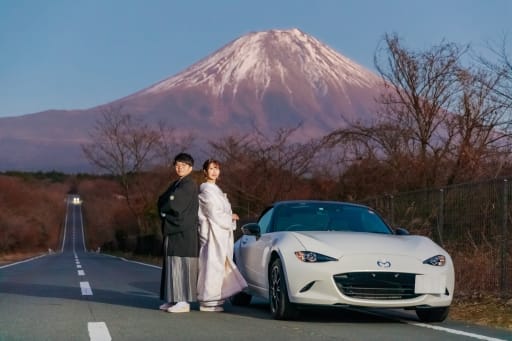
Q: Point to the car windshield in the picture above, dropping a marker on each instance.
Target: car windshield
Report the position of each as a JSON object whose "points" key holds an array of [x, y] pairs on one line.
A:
{"points": [[307, 216]]}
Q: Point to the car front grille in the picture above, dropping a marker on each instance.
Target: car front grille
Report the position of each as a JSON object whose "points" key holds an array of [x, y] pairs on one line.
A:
{"points": [[377, 285]]}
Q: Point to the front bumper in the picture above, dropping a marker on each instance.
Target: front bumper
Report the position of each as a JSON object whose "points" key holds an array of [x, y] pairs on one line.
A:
{"points": [[358, 281]]}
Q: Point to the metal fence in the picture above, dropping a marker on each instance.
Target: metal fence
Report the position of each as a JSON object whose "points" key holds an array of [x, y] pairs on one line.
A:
{"points": [[471, 221]]}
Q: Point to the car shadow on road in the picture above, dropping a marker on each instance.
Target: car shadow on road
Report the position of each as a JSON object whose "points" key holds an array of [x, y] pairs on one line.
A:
{"points": [[260, 309], [147, 298]]}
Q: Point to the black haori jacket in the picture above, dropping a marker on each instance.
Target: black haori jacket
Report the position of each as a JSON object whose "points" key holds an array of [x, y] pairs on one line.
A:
{"points": [[178, 207]]}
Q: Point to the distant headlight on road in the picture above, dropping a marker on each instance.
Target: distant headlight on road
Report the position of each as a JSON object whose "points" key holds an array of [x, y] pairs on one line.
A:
{"points": [[438, 260], [313, 257]]}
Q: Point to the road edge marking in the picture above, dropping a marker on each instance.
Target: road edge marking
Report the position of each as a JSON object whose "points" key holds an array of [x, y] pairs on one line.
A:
{"points": [[452, 331], [23, 261]]}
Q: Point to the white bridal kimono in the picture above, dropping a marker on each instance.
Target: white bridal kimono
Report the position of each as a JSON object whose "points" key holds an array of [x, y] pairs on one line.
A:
{"points": [[219, 277]]}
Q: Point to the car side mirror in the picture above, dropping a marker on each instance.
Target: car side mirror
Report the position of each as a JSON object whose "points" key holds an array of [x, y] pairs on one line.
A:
{"points": [[251, 229], [400, 231]]}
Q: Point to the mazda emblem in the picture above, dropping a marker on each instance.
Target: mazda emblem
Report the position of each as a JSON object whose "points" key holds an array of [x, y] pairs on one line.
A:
{"points": [[381, 263]]}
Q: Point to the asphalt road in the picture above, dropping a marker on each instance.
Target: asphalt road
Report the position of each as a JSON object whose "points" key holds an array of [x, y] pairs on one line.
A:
{"points": [[73, 294]]}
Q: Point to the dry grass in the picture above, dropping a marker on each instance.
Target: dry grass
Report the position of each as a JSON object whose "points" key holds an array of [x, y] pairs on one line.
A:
{"points": [[483, 310]]}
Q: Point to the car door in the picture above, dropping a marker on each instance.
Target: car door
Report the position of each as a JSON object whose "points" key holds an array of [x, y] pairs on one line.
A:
{"points": [[253, 254]]}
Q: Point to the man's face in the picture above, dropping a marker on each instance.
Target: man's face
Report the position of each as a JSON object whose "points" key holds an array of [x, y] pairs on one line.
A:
{"points": [[182, 169]]}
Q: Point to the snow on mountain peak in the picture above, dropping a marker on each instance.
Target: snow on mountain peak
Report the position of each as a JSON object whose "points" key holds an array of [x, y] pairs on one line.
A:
{"points": [[267, 57]]}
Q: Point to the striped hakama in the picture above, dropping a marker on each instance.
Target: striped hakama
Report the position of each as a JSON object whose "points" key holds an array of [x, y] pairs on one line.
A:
{"points": [[179, 278]]}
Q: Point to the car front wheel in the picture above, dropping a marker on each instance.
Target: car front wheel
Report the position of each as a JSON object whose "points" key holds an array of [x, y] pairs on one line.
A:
{"points": [[432, 314], [280, 305]]}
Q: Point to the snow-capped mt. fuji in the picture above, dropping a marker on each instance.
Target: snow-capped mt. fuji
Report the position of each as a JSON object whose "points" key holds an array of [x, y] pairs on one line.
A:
{"points": [[264, 80], [271, 79], [266, 58]]}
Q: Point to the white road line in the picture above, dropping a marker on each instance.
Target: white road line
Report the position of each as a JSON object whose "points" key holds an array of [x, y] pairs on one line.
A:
{"points": [[86, 288], [453, 331], [65, 229], [435, 327], [81, 273], [98, 331], [82, 227], [23, 261], [132, 261], [78, 266]]}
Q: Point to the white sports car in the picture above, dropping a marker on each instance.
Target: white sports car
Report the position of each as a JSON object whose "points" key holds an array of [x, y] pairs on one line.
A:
{"points": [[326, 253]]}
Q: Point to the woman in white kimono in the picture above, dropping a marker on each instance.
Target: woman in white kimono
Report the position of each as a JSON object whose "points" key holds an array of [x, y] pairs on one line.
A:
{"points": [[219, 277]]}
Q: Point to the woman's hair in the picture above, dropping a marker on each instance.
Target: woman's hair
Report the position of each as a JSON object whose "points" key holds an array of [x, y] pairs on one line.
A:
{"points": [[185, 158], [208, 162]]}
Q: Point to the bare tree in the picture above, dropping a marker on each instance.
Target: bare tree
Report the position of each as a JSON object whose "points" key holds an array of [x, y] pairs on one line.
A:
{"points": [[261, 169], [121, 144], [502, 67], [422, 87], [499, 64], [383, 148], [480, 126], [441, 122], [127, 147], [170, 143]]}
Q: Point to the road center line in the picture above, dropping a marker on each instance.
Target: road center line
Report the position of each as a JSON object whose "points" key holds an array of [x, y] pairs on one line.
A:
{"points": [[86, 288], [453, 331], [98, 331], [81, 273]]}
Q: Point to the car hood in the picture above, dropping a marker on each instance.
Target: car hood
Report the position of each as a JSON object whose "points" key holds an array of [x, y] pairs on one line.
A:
{"points": [[341, 243]]}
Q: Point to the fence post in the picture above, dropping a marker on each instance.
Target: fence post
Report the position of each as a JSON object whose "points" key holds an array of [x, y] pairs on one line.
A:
{"points": [[503, 248], [392, 204], [440, 219]]}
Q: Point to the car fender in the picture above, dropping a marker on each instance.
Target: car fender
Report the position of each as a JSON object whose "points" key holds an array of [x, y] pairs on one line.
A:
{"points": [[283, 247]]}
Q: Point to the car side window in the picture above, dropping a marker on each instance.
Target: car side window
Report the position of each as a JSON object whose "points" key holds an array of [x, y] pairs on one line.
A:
{"points": [[264, 221]]}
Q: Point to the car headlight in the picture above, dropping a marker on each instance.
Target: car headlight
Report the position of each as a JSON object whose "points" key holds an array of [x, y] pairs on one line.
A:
{"points": [[313, 257], [438, 260]]}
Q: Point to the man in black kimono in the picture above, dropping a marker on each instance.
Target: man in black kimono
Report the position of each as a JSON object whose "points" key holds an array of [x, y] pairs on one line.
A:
{"points": [[178, 207]]}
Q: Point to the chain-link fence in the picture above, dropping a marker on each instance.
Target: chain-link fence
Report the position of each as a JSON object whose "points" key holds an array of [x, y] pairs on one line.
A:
{"points": [[471, 221]]}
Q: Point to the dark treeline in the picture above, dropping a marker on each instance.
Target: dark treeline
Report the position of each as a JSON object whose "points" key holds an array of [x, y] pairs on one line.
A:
{"points": [[32, 209]]}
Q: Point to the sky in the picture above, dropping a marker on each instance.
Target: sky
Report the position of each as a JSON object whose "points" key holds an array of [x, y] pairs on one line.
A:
{"points": [[77, 54]]}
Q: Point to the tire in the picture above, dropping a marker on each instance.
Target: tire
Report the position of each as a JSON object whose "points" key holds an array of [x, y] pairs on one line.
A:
{"points": [[241, 299], [433, 314], [280, 305]]}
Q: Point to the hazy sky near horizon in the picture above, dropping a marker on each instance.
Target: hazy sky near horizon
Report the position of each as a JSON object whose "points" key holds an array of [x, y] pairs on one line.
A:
{"points": [[76, 54]]}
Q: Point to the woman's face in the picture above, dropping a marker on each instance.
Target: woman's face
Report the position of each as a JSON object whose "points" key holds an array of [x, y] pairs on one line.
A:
{"points": [[182, 169], [212, 173]]}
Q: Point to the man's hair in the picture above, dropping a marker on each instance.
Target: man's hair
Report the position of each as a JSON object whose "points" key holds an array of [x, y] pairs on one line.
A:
{"points": [[185, 158]]}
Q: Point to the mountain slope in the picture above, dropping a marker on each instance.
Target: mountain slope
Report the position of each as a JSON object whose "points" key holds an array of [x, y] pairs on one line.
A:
{"points": [[264, 80], [268, 79]]}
